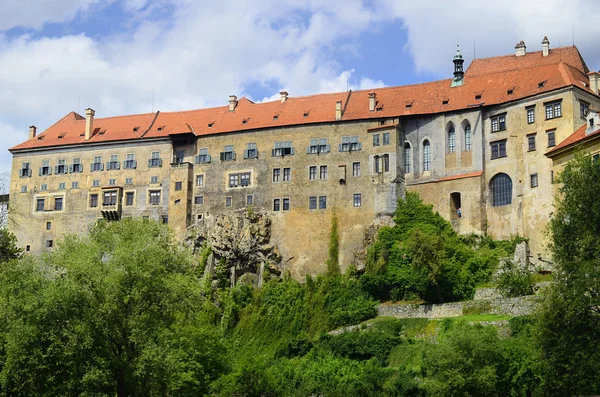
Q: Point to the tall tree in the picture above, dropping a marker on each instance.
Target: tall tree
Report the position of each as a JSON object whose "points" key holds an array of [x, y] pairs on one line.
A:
{"points": [[569, 317], [118, 313]]}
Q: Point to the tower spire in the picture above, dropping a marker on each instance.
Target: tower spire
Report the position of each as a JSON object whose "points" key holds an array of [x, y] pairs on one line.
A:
{"points": [[459, 74]]}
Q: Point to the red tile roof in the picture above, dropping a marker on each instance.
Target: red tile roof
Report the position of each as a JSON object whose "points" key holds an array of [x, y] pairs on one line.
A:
{"points": [[575, 138], [491, 78], [460, 176]]}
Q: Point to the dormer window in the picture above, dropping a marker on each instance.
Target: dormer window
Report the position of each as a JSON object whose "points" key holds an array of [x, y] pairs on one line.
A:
{"points": [[244, 121], [136, 129], [409, 105], [445, 101], [478, 96], [305, 114], [161, 128], [211, 124], [276, 117], [591, 122], [541, 84]]}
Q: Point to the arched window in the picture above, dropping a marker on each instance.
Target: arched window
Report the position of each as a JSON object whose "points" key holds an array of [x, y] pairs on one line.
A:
{"points": [[501, 189], [426, 155], [407, 158], [468, 138], [451, 140]]}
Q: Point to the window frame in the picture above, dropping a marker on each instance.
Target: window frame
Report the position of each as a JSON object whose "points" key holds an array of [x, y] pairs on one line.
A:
{"points": [[498, 149], [551, 135], [357, 200], [498, 122], [501, 190], [533, 180], [553, 110], [530, 114], [451, 140], [356, 168], [154, 196], [426, 155]]}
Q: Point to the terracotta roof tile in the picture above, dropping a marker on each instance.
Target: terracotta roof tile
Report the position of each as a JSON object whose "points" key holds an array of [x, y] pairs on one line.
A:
{"points": [[578, 136], [492, 78]]}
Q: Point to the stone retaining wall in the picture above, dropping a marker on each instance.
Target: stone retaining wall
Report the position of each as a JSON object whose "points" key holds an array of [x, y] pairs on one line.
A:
{"points": [[505, 307]]}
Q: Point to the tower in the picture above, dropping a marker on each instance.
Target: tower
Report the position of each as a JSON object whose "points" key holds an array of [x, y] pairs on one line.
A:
{"points": [[459, 74]]}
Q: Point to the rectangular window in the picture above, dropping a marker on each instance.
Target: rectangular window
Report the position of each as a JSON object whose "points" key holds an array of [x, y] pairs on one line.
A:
{"points": [[203, 156], [165, 219], [286, 204], [350, 144], [154, 180], [553, 110], [551, 138], [322, 202], [375, 139], [25, 171], [200, 180], [323, 172], [154, 197], [530, 115], [199, 200], [234, 180], [97, 164], [129, 181], [155, 160], [48, 225], [312, 172], [109, 198], [93, 200], [129, 198], [282, 148], [251, 151], [228, 201], [386, 138], [531, 143], [49, 243], [584, 108], [130, 162], [112, 182], [61, 168], [179, 157], [45, 168], [357, 199], [227, 154], [24, 189], [312, 203], [74, 185], [318, 145], [76, 166], [113, 164], [534, 180], [287, 174], [245, 179], [276, 174], [96, 183], [58, 203], [62, 186], [239, 180], [276, 204], [356, 169], [178, 186], [44, 187], [386, 163], [498, 123], [249, 200], [498, 149], [39, 204]]}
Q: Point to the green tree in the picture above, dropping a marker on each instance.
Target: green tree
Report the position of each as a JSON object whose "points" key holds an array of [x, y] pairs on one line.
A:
{"points": [[333, 263], [569, 317], [117, 313], [8, 246]]}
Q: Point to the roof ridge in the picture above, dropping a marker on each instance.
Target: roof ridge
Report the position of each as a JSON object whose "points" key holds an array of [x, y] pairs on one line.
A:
{"points": [[124, 115]]}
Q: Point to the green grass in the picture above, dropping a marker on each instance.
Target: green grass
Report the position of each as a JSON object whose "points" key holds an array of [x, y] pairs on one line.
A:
{"points": [[481, 317]]}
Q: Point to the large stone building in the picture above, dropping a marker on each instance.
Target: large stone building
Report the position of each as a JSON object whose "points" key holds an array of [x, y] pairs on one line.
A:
{"points": [[475, 143]]}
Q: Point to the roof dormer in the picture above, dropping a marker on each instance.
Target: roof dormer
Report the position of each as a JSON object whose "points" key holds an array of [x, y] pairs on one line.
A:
{"points": [[593, 122]]}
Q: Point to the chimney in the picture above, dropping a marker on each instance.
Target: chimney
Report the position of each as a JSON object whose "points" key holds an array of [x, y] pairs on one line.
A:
{"points": [[284, 95], [545, 46], [594, 81], [338, 110], [232, 102], [372, 101], [32, 131], [520, 49], [89, 123]]}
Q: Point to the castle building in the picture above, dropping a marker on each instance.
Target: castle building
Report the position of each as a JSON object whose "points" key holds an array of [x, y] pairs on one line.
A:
{"points": [[473, 145]]}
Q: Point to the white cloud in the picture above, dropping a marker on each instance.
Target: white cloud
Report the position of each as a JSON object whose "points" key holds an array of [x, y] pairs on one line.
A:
{"points": [[35, 13]]}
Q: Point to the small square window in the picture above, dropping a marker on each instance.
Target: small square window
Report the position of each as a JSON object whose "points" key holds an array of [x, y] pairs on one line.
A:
{"points": [[24, 189], [44, 187], [96, 183], [74, 185], [178, 186], [129, 181], [228, 201], [28, 248], [199, 200], [62, 186], [165, 219], [49, 243], [112, 182], [154, 179], [534, 180]]}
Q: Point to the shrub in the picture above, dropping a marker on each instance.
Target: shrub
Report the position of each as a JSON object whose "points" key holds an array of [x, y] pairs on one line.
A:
{"points": [[514, 280]]}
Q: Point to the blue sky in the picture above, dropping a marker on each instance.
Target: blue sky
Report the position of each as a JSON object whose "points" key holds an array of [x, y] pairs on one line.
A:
{"points": [[57, 56]]}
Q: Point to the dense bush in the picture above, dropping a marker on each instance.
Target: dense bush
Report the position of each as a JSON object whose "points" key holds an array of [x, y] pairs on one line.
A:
{"points": [[514, 279]]}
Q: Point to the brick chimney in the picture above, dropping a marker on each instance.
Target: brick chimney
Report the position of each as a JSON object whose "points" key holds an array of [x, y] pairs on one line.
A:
{"points": [[594, 81], [338, 110], [89, 123], [545, 46], [284, 96], [520, 49], [232, 102], [32, 131], [372, 101]]}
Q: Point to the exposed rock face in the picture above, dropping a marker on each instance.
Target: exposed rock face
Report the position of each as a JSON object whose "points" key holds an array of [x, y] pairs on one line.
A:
{"points": [[241, 242]]}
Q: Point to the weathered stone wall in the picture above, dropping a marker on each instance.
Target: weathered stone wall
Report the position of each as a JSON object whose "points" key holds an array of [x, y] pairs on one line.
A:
{"points": [[509, 307]]}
